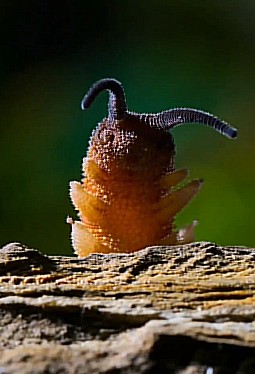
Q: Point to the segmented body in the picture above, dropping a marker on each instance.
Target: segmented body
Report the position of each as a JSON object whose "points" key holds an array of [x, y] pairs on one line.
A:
{"points": [[128, 198]]}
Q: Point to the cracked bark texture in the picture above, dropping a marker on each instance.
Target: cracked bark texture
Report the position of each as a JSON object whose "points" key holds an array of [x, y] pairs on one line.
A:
{"points": [[182, 309]]}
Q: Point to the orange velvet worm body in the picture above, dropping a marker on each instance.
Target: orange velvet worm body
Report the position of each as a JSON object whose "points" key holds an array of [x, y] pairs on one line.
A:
{"points": [[129, 196]]}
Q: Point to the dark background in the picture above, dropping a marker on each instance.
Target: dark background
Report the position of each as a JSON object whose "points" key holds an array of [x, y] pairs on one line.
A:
{"points": [[166, 53]]}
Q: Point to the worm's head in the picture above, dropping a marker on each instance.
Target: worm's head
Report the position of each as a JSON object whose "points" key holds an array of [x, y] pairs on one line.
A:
{"points": [[132, 146], [138, 142]]}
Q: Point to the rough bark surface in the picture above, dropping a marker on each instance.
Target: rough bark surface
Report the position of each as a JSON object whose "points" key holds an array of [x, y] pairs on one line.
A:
{"points": [[182, 309]]}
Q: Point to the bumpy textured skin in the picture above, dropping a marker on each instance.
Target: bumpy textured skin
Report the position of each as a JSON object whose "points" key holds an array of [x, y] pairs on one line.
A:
{"points": [[128, 198]]}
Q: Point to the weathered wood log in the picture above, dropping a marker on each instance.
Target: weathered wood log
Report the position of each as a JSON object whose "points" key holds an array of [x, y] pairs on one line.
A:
{"points": [[183, 309]]}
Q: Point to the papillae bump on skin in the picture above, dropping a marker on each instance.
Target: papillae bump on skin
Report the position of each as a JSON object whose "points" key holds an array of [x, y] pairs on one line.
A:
{"points": [[129, 196]]}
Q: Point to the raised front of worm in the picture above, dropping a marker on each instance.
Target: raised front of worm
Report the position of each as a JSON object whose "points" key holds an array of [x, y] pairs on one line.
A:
{"points": [[128, 198]]}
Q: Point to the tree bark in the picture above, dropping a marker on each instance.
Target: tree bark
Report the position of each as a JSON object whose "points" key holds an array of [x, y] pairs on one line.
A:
{"points": [[182, 309]]}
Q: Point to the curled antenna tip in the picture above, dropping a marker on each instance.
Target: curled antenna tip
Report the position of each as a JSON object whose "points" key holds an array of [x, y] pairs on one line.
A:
{"points": [[117, 106], [83, 105]]}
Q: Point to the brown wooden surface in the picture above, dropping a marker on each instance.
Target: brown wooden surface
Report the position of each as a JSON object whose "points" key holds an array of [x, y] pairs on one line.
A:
{"points": [[182, 309]]}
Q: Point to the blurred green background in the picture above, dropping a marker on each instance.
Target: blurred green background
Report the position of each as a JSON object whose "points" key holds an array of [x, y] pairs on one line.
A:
{"points": [[198, 54]]}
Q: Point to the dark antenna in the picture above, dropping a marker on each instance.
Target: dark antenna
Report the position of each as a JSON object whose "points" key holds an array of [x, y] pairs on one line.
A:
{"points": [[178, 116], [117, 107], [117, 110]]}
